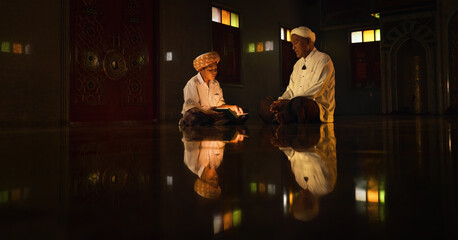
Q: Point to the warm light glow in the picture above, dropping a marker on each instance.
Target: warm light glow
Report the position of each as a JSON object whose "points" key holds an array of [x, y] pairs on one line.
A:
{"points": [[217, 223], [236, 217], [260, 47], [288, 35], [17, 48], [269, 45], [216, 15], [251, 48], [291, 197], [372, 196], [6, 47], [360, 194], [377, 35], [262, 187], [227, 221], [368, 36], [253, 187], [357, 37], [234, 20], [282, 33], [225, 17]]}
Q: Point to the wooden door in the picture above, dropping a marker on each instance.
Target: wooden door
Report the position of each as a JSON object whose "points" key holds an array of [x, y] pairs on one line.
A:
{"points": [[112, 75]]}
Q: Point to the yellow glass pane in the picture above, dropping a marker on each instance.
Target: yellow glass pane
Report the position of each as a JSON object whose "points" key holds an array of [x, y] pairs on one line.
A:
{"points": [[17, 48], [225, 17], [288, 35], [372, 196], [368, 36], [235, 20], [356, 37], [260, 48], [216, 14], [377, 34]]}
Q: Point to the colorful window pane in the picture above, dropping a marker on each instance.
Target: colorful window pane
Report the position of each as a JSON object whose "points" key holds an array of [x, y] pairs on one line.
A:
{"points": [[236, 217], [28, 49], [225, 17], [217, 223], [288, 35], [377, 34], [6, 47], [235, 20], [260, 47], [17, 48], [282, 33], [368, 36], [357, 37], [216, 15], [269, 45], [227, 221], [251, 48]]}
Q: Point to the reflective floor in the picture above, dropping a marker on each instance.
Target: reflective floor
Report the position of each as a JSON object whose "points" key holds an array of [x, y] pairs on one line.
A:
{"points": [[361, 177]]}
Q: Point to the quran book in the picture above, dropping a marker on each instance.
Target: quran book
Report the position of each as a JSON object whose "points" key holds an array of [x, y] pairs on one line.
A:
{"points": [[229, 113]]}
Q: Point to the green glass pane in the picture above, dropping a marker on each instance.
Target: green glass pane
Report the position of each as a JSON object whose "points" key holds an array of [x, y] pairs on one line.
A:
{"points": [[236, 217], [6, 47], [377, 34], [4, 196], [251, 47], [234, 20], [253, 186]]}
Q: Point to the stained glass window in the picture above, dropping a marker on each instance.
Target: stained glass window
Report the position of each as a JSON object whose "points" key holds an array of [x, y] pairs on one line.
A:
{"points": [[260, 47], [6, 47], [234, 20], [269, 45], [17, 48], [368, 36], [251, 48], [357, 37], [225, 17], [216, 15]]}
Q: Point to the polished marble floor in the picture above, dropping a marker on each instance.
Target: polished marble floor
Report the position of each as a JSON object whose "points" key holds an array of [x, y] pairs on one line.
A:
{"points": [[382, 177]]}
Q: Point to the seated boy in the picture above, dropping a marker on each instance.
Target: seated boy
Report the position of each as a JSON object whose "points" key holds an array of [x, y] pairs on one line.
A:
{"points": [[203, 94]]}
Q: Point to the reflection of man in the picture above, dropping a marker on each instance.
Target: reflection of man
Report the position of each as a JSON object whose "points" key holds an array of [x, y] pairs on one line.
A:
{"points": [[314, 165], [203, 154], [309, 96]]}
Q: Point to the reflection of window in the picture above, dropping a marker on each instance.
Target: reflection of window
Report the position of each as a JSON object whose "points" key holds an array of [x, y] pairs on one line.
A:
{"points": [[226, 41], [288, 57], [365, 58]]}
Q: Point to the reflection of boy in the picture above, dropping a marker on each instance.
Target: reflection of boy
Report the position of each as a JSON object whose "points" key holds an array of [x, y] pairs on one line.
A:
{"points": [[203, 158]]}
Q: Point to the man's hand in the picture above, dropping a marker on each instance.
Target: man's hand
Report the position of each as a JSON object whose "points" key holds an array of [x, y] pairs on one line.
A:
{"points": [[278, 105]]}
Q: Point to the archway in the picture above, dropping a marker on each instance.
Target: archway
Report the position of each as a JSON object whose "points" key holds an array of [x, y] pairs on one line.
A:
{"points": [[411, 78]]}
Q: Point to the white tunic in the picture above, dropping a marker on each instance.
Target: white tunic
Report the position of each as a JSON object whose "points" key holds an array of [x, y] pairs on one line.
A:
{"points": [[197, 94], [199, 154], [316, 82]]}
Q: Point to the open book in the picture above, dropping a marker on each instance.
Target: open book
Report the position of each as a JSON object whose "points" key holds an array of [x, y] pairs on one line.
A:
{"points": [[230, 113]]}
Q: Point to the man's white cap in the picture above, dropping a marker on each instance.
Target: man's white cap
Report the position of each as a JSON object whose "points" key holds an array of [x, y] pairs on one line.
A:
{"points": [[304, 32]]}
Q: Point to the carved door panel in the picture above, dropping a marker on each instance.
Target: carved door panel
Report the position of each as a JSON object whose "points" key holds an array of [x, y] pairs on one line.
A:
{"points": [[112, 70]]}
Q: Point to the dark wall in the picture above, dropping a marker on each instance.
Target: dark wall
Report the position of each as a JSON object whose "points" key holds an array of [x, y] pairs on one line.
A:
{"points": [[31, 84]]}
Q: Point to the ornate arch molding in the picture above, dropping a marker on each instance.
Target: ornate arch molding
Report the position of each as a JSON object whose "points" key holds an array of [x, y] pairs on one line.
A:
{"points": [[391, 43]]}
